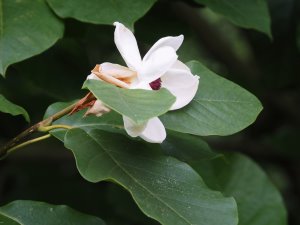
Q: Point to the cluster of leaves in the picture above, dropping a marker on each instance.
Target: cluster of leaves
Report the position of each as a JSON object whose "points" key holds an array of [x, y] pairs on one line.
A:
{"points": [[181, 181]]}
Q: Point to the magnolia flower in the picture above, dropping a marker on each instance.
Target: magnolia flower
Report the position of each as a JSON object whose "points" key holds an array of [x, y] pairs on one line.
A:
{"points": [[159, 68]]}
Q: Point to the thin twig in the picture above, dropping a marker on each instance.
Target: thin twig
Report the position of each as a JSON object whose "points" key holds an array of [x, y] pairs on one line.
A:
{"points": [[12, 143], [52, 127], [27, 143]]}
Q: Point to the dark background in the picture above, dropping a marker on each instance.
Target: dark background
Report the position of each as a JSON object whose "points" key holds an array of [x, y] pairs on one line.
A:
{"points": [[268, 68]]}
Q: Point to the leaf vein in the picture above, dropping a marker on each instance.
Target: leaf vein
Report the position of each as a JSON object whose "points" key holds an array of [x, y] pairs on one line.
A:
{"points": [[141, 185]]}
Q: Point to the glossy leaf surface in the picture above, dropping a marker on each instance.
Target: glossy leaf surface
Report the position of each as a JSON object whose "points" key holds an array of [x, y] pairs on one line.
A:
{"points": [[102, 11], [27, 28], [258, 200], [30, 212], [164, 188], [244, 13], [8, 107]]}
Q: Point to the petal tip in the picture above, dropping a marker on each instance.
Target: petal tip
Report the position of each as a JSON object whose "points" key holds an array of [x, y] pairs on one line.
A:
{"points": [[154, 132], [116, 23], [92, 77]]}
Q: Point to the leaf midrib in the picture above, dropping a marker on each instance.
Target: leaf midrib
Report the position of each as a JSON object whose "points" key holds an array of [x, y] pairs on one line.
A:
{"points": [[12, 217], [137, 182]]}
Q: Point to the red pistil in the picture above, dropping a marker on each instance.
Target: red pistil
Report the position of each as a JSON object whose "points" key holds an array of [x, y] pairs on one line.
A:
{"points": [[156, 85]]}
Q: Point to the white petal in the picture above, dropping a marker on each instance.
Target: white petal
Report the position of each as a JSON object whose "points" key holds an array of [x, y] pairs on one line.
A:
{"points": [[180, 66], [182, 84], [92, 77], [127, 46], [98, 109], [140, 85], [154, 132], [113, 73], [160, 61], [116, 70], [132, 128], [173, 42]]}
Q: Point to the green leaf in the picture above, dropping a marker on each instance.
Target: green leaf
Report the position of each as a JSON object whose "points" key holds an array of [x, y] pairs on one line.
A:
{"points": [[102, 11], [243, 13], [137, 104], [187, 148], [220, 107], [258, 200], [30, 212], [27, 28], [7, 221], [111, 121], [164, 188], [9, 107]]}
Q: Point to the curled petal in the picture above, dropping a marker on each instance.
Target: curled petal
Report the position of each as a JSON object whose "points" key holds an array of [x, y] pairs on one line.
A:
{"points": [[178, 65], [154, 131], [92, 77], [127, 46], [117, 71], [132, 128], [182, 84], [98, 109], [173, 42], [160, 61], [108, 75]]}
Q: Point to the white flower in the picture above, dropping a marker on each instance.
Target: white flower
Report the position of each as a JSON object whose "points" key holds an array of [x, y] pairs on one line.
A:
{"points": [[158, 68]]}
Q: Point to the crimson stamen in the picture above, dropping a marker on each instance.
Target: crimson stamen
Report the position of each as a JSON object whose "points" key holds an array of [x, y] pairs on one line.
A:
{"points": [[156, 85]]}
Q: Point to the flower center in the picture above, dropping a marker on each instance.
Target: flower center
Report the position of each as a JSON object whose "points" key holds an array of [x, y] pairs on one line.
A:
{"points": [[156, 85]]}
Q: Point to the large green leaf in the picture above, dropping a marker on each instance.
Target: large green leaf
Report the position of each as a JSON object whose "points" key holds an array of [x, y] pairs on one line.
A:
{"points": [[30, 212], [137, 104], [220, 107], [259, 202], [8, 107], [7, 221], [164, 188], [245, 13], [102, 11], [27, 28]]}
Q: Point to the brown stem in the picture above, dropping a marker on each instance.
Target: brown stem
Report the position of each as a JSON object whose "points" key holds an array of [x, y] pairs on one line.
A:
{"points": [[32, 129]]}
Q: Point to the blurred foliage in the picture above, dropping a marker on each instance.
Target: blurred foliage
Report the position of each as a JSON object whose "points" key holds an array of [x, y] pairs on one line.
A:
{"points": [[269, 69]]}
